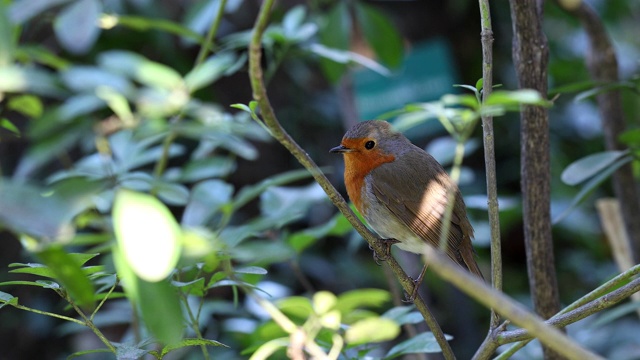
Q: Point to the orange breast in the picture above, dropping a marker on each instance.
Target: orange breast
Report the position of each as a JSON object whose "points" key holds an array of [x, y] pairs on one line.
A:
{"points": [[358, 165]]}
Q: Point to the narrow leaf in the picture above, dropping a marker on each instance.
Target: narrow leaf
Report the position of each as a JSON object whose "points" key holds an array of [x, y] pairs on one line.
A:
{"points": [[589, 166], [76, 27]]}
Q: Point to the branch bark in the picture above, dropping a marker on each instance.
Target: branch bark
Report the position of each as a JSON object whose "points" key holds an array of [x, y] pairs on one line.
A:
{"points": [[486, 36], [530, 57], [603, 67]]}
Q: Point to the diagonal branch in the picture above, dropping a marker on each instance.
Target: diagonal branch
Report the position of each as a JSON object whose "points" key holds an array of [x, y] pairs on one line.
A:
{"points": [[280, 134]]}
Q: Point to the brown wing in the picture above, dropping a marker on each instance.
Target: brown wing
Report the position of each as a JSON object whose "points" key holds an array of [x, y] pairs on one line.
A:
{"points": [[423, 205]]}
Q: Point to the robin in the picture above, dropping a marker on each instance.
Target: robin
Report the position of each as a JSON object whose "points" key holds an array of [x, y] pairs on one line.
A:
{"points": [[401, 191]]}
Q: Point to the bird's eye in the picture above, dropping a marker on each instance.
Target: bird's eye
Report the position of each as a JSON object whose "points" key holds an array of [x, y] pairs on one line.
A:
{"points": [[369, 144]]}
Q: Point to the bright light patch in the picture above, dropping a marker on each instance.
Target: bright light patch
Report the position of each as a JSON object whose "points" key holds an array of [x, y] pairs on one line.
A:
{"points": [[147, 233]]}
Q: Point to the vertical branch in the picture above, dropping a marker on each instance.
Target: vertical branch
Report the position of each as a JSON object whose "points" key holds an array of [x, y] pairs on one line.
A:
{"points": [[530, 57], [603, 66], [486, 36]]}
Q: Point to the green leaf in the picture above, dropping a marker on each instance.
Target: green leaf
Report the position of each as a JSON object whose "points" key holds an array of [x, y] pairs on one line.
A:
{"points": [[158, 301], [87, 352], [27, 210], [206, 199], [76, 26], [248, 193], [351, 300], [15, 78], [422, 343], [26, 283], [195, 287], [27, 105], [295, 306], [591, 185], [517, 97], [346, 57], [589, 166], [404, 315], [285, 204], [381, 34], [335, 33], [33, 269], [190, 342], [209, 71], [256, 270], [631, 137], [323, 302], [7, 37], [6, 124], [479, 85], [267, 349], [7, 299], [138, 67], [209, 167], [23, 10], [145, 23], [67, 270], [371, 330], [147, 233], [171, 193]]}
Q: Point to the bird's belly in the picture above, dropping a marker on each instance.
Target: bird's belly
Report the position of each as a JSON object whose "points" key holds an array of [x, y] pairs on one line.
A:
{"points": [[385, 224]]}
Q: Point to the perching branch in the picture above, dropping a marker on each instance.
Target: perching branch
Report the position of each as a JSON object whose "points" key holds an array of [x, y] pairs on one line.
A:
{"points": [[276, 130], [486, 38]]}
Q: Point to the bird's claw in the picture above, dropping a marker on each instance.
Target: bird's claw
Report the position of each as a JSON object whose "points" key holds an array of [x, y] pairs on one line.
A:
{"points": [[387, 251]]}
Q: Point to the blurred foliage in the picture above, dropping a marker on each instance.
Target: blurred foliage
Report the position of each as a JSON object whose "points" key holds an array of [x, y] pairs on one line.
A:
{"points": [[142, 215]]}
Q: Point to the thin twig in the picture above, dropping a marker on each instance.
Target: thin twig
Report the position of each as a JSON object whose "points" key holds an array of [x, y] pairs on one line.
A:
{"points": [[213, 29], [276, 130], [486, 38]]}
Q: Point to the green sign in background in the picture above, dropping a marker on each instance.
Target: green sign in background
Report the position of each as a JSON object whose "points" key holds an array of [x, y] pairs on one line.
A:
{"points": [[426, 74]]}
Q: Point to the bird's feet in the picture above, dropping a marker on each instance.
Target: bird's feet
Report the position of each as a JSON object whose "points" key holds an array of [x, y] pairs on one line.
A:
{"points": [[387, 250]]}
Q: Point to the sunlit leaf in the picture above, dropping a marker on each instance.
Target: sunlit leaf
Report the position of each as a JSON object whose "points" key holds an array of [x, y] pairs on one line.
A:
{"points": [[7, 37], [15, 78], [354, 299], [516, 97], [147, 233], [295, 306], [371, 330], [76, 26], [27, 105], [209, 71], [589, 166]]}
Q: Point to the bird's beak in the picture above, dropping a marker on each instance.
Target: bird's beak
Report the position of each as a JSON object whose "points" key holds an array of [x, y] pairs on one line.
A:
{"points": [[340, 149]]}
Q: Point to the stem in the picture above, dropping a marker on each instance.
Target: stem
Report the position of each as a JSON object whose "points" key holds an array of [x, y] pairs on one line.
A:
{"points": [[276, 130], [213, 29], [512, 310], [455, 177], [161, 165], [88, 323], [486, 36], [46, 313]]}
